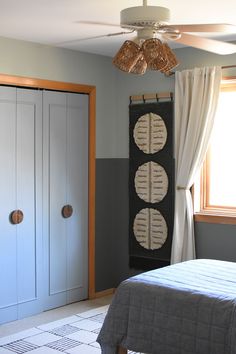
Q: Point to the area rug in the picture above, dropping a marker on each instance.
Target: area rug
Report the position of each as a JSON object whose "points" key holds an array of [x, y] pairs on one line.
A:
{"points": [[74, 334]]}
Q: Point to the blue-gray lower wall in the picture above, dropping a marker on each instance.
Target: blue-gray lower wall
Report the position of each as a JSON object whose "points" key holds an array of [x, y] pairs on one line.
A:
{"points": [[215, 241]]}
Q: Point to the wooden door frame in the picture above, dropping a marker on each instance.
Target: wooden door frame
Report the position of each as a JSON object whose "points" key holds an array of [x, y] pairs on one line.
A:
{"points": [[20, 81]]}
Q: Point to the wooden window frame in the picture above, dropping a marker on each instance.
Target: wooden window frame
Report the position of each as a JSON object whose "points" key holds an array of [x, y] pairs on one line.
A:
{"points": [[214, 213]]}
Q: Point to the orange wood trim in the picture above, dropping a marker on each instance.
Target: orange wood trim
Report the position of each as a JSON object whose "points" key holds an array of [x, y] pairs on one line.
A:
{"points": [[122, 350], [228, 83], [206, 182], [104, 293], [44, 84], [221, 209], [215, 219], [91, 91], [203, 187]]}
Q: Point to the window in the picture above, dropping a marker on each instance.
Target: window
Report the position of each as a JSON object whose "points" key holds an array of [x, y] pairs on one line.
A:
{"points": [[215, 190]]}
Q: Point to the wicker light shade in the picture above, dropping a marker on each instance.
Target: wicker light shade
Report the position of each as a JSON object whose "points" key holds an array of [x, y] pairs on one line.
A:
{"points": [[140, 67], [171, 58], [127, 57], [154, 54]]}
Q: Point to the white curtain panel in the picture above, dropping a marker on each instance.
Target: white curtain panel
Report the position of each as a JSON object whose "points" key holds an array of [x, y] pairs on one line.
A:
{"points": [[196, 98]]}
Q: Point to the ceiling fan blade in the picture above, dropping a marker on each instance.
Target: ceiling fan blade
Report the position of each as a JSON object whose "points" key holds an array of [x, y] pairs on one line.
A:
{"points": [[210, 45], [208, 27], [95, 37]]}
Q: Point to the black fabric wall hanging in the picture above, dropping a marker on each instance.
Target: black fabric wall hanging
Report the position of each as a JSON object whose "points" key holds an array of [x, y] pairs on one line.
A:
{"points": [[151, 184]]}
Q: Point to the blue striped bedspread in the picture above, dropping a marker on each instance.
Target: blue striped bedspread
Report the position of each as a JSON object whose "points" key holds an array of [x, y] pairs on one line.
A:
{"points": [[186, 308]]}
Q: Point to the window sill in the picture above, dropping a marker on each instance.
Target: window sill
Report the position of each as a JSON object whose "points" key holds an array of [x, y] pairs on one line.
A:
{"points": [[215, 218]]}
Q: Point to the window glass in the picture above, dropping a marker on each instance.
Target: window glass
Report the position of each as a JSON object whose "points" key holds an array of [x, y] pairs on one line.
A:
{"points": [[222, 154]]}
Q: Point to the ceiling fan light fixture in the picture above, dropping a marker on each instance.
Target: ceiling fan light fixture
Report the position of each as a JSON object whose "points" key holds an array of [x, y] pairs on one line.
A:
{"points": [[127, 56], [154, 54]]}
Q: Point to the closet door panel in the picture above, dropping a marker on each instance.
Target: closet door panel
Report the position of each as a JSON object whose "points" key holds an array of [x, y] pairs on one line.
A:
{"points": [[29, 180], [66, 183], [77, 196], [57, 185], [20, 189], [54, 196], [26, 242], [8, 247]]}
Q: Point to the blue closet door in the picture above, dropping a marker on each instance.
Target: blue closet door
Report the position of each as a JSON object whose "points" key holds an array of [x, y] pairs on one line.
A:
{"points": [[65, 183], [20, 189]]}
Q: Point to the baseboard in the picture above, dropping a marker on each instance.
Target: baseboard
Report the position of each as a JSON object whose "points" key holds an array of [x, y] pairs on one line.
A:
{"points": [[104, 293]]}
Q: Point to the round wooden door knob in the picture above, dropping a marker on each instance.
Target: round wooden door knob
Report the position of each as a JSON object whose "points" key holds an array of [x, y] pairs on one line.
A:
{"points": [[67, 211], [17, 217]]}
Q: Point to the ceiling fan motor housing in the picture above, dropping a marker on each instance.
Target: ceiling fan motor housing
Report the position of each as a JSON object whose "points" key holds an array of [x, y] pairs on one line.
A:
{"points": [[146, 16]]}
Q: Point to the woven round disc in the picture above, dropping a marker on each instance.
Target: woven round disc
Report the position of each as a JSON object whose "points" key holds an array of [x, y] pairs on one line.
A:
{"points": [[151, 182], [150, 133], [150, 229]]}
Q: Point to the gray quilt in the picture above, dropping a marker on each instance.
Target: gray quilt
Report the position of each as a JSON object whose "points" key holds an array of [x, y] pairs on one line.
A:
{"points": [[186, 308]]}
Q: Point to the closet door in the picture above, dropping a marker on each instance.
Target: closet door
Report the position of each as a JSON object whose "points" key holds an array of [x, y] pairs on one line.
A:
{"points": [[20, 190], [66, 197]]}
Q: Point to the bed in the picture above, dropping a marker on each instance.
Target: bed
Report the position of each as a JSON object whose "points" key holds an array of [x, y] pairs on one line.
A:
{"points": [[186, 308]]}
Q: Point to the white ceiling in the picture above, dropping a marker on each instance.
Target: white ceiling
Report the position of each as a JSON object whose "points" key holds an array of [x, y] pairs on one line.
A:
{"points": [[54, 22]]}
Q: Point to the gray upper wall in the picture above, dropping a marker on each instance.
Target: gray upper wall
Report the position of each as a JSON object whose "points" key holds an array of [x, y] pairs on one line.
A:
{"points": [[152, 82], [113, 86], [40, 61]]}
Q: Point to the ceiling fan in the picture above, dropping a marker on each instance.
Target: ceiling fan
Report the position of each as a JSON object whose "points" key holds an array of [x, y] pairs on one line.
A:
{"points": [[150, 49]]}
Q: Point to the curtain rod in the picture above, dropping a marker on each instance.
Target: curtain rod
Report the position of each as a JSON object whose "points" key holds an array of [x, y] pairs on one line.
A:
{"points": [[223, 67], [228, 66]]}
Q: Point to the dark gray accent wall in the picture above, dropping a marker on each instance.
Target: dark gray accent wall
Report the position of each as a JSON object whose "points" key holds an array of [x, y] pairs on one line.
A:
{"points": [[215, 241], [112, 221]]}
